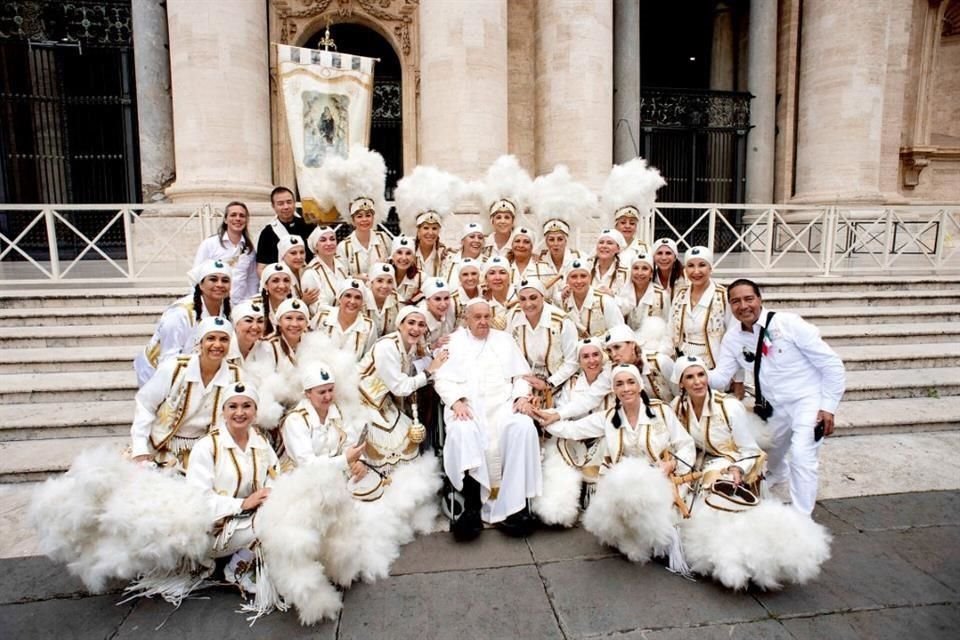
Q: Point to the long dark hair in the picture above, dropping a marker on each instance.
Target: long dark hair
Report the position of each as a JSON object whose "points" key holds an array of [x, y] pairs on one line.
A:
{"points": [[198, 304], [675, 272], [268, 327], [246, 245], [412, 270], [596, 262]]}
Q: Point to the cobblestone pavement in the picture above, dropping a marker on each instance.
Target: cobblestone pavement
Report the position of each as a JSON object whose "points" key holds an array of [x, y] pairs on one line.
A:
{"points": [[895, 573]]}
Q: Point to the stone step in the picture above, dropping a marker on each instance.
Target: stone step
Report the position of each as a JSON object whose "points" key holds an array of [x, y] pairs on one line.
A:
{"points": [[67, 387], [33, 460], [102, 358], [788, 299], [900, 356], [28, 317], [823, 316], [881, 384], [860, 417], [48, 420], [776, 284], [93, 296], [79, 336], [869, 334]]}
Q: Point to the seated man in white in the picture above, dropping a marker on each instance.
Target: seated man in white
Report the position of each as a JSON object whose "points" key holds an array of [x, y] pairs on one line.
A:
{"points": [[491, 453]]}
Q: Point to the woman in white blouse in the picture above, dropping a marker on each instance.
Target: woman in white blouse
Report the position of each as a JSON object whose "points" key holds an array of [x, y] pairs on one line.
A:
{"points": [[232, 245]]}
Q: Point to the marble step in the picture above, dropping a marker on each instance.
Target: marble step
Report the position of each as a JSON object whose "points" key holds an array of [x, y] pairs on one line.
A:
{"points": [[32, 460], [899, 314], [898, 415], [67, 387], [80, 315], [93, 296], [869, 333], [776, 284], [63, 359], [829, 298], [49, 420], [883, 384], [900, 356], [75, 336]]}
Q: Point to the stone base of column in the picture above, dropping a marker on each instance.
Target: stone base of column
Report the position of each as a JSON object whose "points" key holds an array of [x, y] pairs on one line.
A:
{"points": [[850, 197], [214, 192]]}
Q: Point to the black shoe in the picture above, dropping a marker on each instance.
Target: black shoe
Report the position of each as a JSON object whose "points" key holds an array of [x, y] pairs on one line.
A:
{"points": [[468, 526], [519, 525]]}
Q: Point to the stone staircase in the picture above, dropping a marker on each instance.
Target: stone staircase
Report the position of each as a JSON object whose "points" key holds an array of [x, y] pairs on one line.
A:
{"points": [[66, 380]]}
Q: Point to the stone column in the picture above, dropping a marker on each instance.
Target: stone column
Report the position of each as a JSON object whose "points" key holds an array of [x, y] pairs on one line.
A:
{"points": [[154, 106], [762, 83], [221, 101], [722, 52], [850, 98], [463, 84], [626, 80], [575, 87]]}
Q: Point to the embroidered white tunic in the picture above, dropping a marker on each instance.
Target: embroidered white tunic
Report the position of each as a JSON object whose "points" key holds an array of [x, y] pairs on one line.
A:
{"points": [[318, 275], [358, 258], [721, 432], [358, 337], [550, 347], [174, 408], [598, 313], [697, 330], [306, 437], [652, 302]]}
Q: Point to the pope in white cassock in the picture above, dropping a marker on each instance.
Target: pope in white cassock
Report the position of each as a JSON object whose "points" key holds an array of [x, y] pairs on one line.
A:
{"points": [[492, 452]]}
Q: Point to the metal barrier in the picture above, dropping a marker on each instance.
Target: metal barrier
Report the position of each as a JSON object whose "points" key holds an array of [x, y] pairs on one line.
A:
{"points": [[159, 241]]}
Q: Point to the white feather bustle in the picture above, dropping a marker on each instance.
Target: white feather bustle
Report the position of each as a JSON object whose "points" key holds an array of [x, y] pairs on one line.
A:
{"points": [[279, 390], [362, 174], [426, 189], [760, 430], [109, 518], [770, 545], [556, 196], [506, 179], [632, 510], [559, 504], [317, 348], [307, 507], [631, 184], [653, 336]]}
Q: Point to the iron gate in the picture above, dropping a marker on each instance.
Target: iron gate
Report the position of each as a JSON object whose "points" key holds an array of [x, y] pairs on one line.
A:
{"points": [[698, 141], [68, 131]]}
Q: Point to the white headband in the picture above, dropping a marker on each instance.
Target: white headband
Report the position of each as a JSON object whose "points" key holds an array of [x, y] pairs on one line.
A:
{"points": [[349, 285], [212, 324], [381, 269], [318, 374], [503, 205], [433, 286], [209, 268], [642, 257], [287, 243], [628, 211], [401, 242], [361, 204], [429, 216], [314, 238], [496, 262], [577, 265], [682, 364], [470, 227], [630, 370], [247, 309], [666, 242], [702, 253], [614, 235], [532, 283], [273, 269], [239, 389], [525, 232], [556, 224], [407, 311], [293, 305]]}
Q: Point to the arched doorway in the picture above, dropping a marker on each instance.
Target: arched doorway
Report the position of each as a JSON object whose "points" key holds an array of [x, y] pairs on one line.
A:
{"points": [[386, 130]]}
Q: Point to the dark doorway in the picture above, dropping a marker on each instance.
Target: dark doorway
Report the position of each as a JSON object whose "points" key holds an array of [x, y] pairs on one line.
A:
{"points": [[694, 135], [68, 123]]}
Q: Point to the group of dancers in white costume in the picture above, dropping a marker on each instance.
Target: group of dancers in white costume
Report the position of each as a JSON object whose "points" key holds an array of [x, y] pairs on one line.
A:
{"points": [[298, 421]]}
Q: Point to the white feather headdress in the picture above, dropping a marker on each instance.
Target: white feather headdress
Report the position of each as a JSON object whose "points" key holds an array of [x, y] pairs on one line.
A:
{"points": [[426, 195], [506, 186], [557, 200], [316, 349], [630, 189], [356, 182]]}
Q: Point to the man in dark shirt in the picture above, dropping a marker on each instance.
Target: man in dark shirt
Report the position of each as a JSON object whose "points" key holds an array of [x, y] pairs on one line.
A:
{"points": [[287, 222]]}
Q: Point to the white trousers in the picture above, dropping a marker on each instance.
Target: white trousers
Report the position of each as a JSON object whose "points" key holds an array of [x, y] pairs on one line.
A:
{"points": [[520, 478], [794, 455]]}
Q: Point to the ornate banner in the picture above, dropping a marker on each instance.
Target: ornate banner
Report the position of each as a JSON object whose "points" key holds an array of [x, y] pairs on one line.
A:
{"points": [[328, 98]]}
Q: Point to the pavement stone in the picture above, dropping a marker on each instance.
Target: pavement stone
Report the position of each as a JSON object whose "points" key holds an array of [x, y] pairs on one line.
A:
{"points": [[761, 630], [83, 619], [551, 545], [930, 549], [928, 623], [439, 552], [36, 578], [862, 573], [214, 615], [831, 521], [507, 602], [898, 511], [613, 595]]}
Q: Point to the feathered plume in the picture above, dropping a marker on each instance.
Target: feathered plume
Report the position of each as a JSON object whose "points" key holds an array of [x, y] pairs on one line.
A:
{"points": [[631, 184], [317, 348], [426, 189], [362, 174], [506, 180], [555, 196]]}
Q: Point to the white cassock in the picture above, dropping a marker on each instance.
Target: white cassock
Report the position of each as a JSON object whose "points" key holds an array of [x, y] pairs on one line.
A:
{"points": [[498, 447]]}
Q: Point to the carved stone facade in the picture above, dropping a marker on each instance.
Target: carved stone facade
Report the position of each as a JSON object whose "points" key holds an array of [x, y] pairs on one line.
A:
{"points": [[865, 105]]}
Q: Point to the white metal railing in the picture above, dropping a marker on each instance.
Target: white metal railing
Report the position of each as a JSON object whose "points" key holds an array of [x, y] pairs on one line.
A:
{"points": [[69, 243]]}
